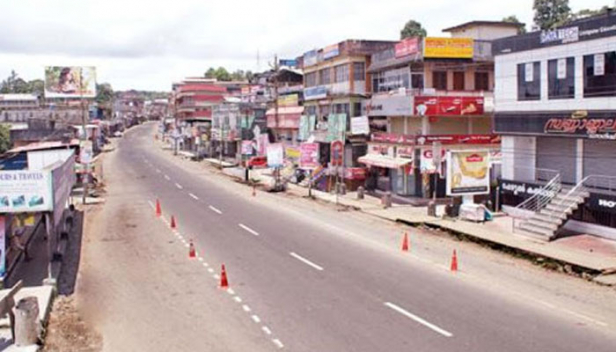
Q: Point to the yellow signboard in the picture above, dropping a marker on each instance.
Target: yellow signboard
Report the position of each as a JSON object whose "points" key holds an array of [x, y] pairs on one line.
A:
{"points": [[288, 100], [448, 48]]}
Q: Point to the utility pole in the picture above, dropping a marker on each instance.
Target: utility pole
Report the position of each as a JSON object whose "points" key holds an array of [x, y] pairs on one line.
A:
{"points": [[84, 138], [276, 68]]}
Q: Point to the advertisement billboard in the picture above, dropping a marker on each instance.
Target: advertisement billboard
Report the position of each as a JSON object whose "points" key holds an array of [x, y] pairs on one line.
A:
{"points": [[448, 106], [448, 48], [310, 58], [275, 155], [468, 172], [309, 155], [406, 47], [70, 82], [25, 191], [288, 100]]}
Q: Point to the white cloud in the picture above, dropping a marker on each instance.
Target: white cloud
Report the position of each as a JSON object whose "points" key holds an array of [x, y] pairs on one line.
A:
{"points": [[148, 44]]}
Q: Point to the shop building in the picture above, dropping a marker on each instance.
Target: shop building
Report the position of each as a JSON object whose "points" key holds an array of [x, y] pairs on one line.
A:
{"points": [[426, 91], [555, 109]]}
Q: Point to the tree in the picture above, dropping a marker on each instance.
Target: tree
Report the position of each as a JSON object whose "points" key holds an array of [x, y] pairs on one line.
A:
{"points": [[551, 13], [36, 87], [222, 74], [210, 73], [5, 139], [514, 19], [589, 13], [412, 28]]}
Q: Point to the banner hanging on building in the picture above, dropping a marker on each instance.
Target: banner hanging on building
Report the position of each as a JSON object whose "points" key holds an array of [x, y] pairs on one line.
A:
{"points": [[468, 172], [70, 82], [309, 155], [336, 127]]}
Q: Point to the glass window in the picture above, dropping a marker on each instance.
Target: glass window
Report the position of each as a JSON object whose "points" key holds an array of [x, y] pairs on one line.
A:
{"points": [[359, 71], [439, 80], [600, 75], [529, 81], [458, 81], [356, 109], [342, 73], [311, 79], [482, 81], [561, 82], [324, 76], [377, 82], [341, 109]]}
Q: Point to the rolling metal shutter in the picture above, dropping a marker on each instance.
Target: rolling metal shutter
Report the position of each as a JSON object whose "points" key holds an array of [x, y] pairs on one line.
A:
{"points": [[557, 154], [599, 158]]}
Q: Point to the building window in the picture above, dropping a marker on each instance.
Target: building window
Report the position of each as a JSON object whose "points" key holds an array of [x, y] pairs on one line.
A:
{"points": [[342, 73], [341, 109], [439, 80], [391, 80], [311, 79], [377, 82], [359, 71], [325, 110], [561, 82], [417, 76], [311, 110], [529, 81], [482, 81], [324, 76], [600, 75], [458, 81]]}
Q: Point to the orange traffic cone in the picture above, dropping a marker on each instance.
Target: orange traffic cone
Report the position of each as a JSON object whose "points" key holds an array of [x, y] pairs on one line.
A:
{"points": [[173, 224], [159, 211], [223, 278], [454, 261], [191, 250], [405, 242]]}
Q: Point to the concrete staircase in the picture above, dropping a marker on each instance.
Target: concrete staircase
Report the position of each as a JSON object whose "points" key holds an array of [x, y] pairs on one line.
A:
{"points": [[545, 223]]}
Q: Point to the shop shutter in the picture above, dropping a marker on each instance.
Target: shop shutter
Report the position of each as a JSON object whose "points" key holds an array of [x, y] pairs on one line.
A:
{"points": [[557, 154], [599, 158]]}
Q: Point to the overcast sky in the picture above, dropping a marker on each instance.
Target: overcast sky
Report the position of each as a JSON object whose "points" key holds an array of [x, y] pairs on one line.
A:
{"points": [[149, 44]]}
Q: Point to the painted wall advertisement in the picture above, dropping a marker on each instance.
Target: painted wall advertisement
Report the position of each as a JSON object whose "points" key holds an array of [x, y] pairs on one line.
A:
{"points": [[275, 155], [448, 106], [468, 172], [448, 48], [70, 82], [25, 191]]}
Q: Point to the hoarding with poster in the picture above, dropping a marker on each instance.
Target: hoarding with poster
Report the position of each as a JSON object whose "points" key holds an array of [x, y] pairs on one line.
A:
{"points": [[448, 106], [25, 191], [468, 172], [309, 155], [337, 153], [448, 48], [275, 155], [70, 82], [406, 47], [247, 147]]}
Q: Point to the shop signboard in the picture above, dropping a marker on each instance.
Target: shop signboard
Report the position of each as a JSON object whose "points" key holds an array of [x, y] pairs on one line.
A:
{"points": [[393, 138], [524, 190], [406, 47], [355, 173], [427, 164], [309, 155], [246, 147], [585, 124], [292, 153], [386, 105], [448, 106], [468, 172], [70, 82], [459, 139], [448, 48], [602, 202], [314, 93], [288, 62], [337, 153], [331, 51], [288, 100], [310, 58], [25, 191], [275, 155], [360, 125]]}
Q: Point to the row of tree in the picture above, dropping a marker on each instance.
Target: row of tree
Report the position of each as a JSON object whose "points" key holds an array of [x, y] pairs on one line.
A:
{"points": [[548, 14], [221, 74]]}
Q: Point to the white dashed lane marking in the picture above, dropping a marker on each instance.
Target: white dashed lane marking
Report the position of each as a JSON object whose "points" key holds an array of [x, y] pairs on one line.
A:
{"points": [[277, 343], [215, 210], [193, 196], [167, 178], [248, 229], [256, 318], [179, 186], [306, 261]]}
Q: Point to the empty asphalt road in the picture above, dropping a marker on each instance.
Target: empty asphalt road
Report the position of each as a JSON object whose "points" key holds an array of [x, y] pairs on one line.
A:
{"points": [[315, 287]]}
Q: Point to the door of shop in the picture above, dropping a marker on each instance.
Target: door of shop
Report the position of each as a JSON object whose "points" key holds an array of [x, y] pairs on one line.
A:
{"points": [[557, 154], [599, 158]]}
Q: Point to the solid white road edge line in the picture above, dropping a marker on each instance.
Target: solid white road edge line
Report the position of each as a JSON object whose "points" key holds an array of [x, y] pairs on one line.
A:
{"points": [[151, 204], [193, 196], [418, 319], [215, 210], [306, 261], [249, 229]]}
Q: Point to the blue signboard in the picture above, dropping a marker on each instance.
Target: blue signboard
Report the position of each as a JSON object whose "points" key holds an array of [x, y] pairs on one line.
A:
{"points": [[313, 93], [288, 62]]}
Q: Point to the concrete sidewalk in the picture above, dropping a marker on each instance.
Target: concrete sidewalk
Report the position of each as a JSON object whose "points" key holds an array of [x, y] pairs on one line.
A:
{"points": [[587, 252]]}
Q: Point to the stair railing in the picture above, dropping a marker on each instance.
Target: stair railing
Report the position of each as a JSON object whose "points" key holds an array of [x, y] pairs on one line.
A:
{"points": [[537, 202]]}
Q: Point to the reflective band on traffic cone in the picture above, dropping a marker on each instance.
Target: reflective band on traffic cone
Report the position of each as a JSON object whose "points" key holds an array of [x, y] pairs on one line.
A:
{"points": [[191, 250], [223, 278], [405, 243], [159, 211], [454, 261]]}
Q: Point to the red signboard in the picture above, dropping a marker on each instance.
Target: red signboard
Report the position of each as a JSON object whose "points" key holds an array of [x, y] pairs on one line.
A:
{"points": [[355, 173], [309, 155], [407, 47], [393, 138], [337, 153], [448, 106]]}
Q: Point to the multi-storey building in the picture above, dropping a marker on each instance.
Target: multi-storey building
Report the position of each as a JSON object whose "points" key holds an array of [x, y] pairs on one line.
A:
{"points": [[426, 91], [555, 107]]}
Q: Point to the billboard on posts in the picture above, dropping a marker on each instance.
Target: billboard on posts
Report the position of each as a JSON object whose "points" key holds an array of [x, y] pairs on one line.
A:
{"points": [[70, 82]]}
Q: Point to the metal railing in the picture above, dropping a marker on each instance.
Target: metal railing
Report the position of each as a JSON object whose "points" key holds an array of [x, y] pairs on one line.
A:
{"points": [[592, 182], [537, 202]]}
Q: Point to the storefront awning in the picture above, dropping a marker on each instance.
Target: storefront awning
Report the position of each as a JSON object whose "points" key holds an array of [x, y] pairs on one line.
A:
{"points": [[384, 161]]}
